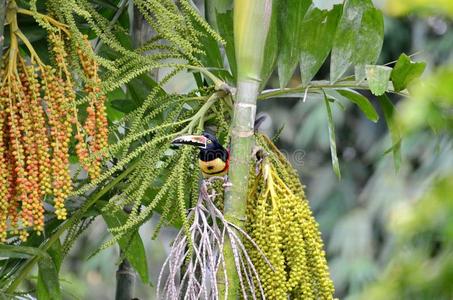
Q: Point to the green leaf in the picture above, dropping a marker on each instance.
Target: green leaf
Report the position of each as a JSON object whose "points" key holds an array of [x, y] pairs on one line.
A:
{"points": [[139, 88], [122, 105], [362, 102], [56, 253], [48, 286], [221, 12], [319, 30], [211, 56], [368, 43], [389, 112], [131, 244], [333, 144], [378, 78], [358, 39], [291, 36], [405, 72], [271, 48]]}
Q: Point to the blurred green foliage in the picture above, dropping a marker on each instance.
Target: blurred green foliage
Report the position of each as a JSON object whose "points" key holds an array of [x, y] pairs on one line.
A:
{"points": [[388, 234]]}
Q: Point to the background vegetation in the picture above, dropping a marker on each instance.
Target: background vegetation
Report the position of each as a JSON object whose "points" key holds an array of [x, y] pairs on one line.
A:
{"points": [[388, 234]]}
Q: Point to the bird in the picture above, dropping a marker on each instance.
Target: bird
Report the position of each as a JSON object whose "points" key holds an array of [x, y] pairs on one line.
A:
{"points": [[213, 159]]}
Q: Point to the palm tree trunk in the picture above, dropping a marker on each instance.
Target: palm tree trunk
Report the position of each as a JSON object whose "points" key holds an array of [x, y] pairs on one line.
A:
{"points": [[251, 25]]}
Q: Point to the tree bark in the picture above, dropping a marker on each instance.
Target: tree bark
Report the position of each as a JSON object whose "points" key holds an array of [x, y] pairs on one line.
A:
{"points": [[2, 27], [125, 281]]}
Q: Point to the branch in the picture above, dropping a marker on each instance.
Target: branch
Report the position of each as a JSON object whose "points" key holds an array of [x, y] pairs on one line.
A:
{"points": [[317, 86]]}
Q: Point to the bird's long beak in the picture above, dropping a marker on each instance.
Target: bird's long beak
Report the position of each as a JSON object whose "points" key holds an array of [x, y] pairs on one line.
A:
{"points": [[193, 140]]}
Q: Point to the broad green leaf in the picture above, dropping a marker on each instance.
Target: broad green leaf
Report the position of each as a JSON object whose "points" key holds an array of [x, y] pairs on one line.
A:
{"points": [[333, 144], [252, 19], [211, 56], [406, 71], [378, 78], [368, 43], [271, 48], [221, 12], [122, 105], [291, 36], [48, 284], [358, 39], [389, 113], [56, 253], [131, 244], [319, 30], [117, 104], [140, 87], [362, 102]]}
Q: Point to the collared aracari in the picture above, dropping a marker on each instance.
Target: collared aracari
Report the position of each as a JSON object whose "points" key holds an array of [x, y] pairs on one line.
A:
{"points": [[213, 158]]}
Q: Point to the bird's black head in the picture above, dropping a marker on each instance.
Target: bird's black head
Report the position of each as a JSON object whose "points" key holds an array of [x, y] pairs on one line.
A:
{"points": [[211, 141], [209, 145]]}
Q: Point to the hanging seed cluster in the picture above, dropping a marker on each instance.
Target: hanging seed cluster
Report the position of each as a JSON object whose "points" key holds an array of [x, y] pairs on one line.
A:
{"points": [[37, 117], [94, 136], [280, 221]]}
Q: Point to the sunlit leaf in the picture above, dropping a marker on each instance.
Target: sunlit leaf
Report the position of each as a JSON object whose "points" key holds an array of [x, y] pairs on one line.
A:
{"points": [[368, 42], [389, 112], [358, 39], [333, 144], [406, 71], [362, 102], [378, 78], [319, 28], [291, 36]]}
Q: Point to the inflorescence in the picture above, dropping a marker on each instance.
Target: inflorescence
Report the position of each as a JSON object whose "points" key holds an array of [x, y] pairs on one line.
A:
{"points": [[281, 223], [37, 117]]}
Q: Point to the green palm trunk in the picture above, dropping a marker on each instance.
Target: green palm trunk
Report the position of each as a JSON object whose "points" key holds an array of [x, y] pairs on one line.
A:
{"points": [[251, 26]]}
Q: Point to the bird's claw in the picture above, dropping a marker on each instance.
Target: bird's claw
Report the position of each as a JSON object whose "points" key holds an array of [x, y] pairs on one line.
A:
{"points": [[227, 184]]}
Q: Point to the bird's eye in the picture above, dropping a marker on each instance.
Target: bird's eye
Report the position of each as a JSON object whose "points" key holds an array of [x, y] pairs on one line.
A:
{"points": [[209, 141]]}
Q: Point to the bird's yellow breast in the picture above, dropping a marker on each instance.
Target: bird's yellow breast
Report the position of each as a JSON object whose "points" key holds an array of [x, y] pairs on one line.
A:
{"points": [[215, 167]]}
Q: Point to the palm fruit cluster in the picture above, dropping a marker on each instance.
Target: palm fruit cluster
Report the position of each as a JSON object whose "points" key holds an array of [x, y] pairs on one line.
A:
{"points": [[281, 223], [94, 136], [37, 117]]}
